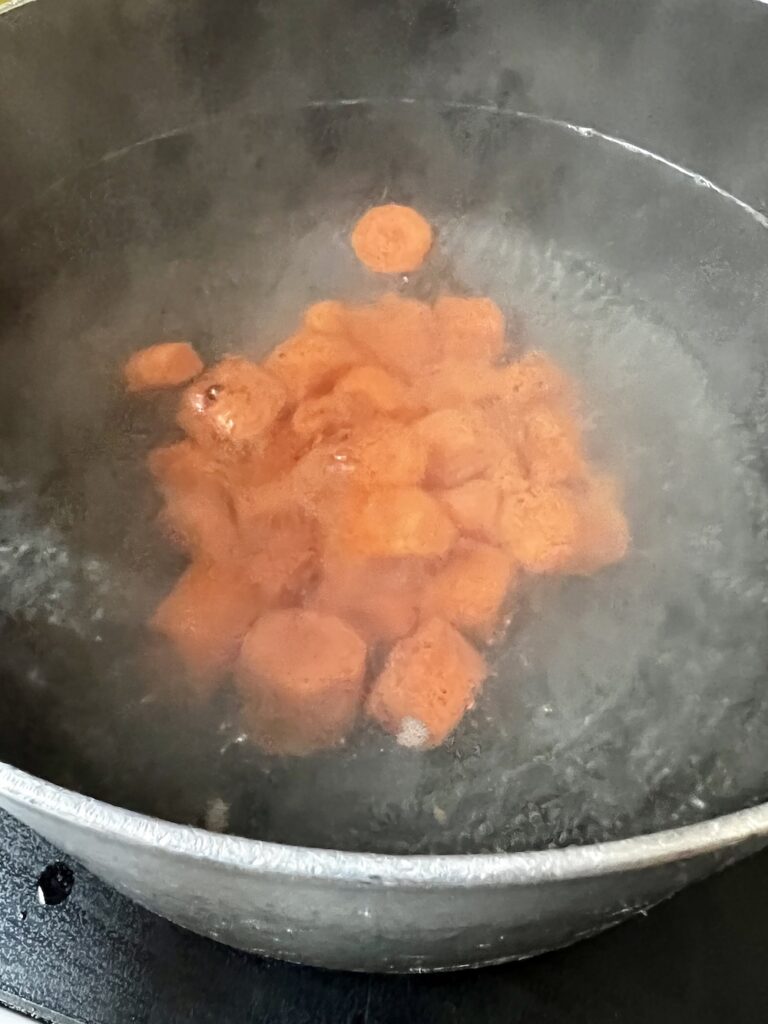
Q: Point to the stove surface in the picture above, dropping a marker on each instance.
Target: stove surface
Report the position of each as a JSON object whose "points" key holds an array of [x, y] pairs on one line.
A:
{"points": [[72, 950]]}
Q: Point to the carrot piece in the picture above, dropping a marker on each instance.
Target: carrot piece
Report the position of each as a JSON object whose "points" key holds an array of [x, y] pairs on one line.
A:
{"points": [[460, 445], [205, 618], [300, 674], [382, 453], [168, 364], [449, 384], [379, 392], [474, 508], [605, 535], [509, 474], [310, 362], [392, 239], [429, 681], [534, 378], [541, 528], [279, 553], [197, 512], [399, 333], [470, 328], [327, 415], [234, 403], [469, 589], [551, 446], [327, 317], [392, 522], [378, 597]]}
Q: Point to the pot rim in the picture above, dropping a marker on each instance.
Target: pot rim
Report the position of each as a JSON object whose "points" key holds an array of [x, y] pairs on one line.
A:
{"points": [[18, 789]]}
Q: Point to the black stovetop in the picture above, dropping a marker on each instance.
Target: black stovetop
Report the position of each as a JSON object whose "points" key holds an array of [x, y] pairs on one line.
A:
{"points": [[97, 958]]}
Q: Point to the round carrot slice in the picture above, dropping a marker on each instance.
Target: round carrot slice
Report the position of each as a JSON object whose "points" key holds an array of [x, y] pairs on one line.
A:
{"points": [[392, 239]]}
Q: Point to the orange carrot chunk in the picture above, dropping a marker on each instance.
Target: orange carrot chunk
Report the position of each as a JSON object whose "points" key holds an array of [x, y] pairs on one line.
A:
{"points": [[551, 446], [384, 452], [279, 553], [310, 362], [378, 597], [605, 535], [392, 522], [205, 618], [197, 514], [474, 508], [469, 589], [233, 404], [534, 378], [168, 364], [470, 328], [300, 674], [327, 317], [428, 682], [460, 445], [392, 239], [541, 528], [379, 391], [399, 333]]}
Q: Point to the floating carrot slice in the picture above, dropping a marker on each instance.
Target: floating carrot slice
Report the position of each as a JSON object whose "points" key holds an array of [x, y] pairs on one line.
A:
{"points": [[300, 674], [474, 508], [392, 239], [205, 618], [460, 445], [541, 528], [551, 446], [428, 682], [399, 333], [235, 404], [470, 328], [168, 364], [392, 522], [378, 597], [311, 362], [469, 589]]}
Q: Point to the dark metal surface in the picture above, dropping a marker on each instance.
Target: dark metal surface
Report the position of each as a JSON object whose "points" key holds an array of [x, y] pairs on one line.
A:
{"points": [[99, 959]]}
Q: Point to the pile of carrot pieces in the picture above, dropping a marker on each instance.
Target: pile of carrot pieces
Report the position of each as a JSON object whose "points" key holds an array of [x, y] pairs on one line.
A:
{"points": [[361, 508]]}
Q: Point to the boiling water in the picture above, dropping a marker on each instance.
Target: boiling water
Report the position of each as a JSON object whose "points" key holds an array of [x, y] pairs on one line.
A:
{"points": [[618, 704]]}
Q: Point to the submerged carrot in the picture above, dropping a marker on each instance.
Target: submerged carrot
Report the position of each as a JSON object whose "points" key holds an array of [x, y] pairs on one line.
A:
{"points": [[233, 404], [474, 508], [470, 328], [469, 589], [393, 522], [399, 333], [300, 674], [378, 597], [428, 682], [392, 239], [205, 618], [311, 361], [168, 364], [197, 513], [460, 445]]}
